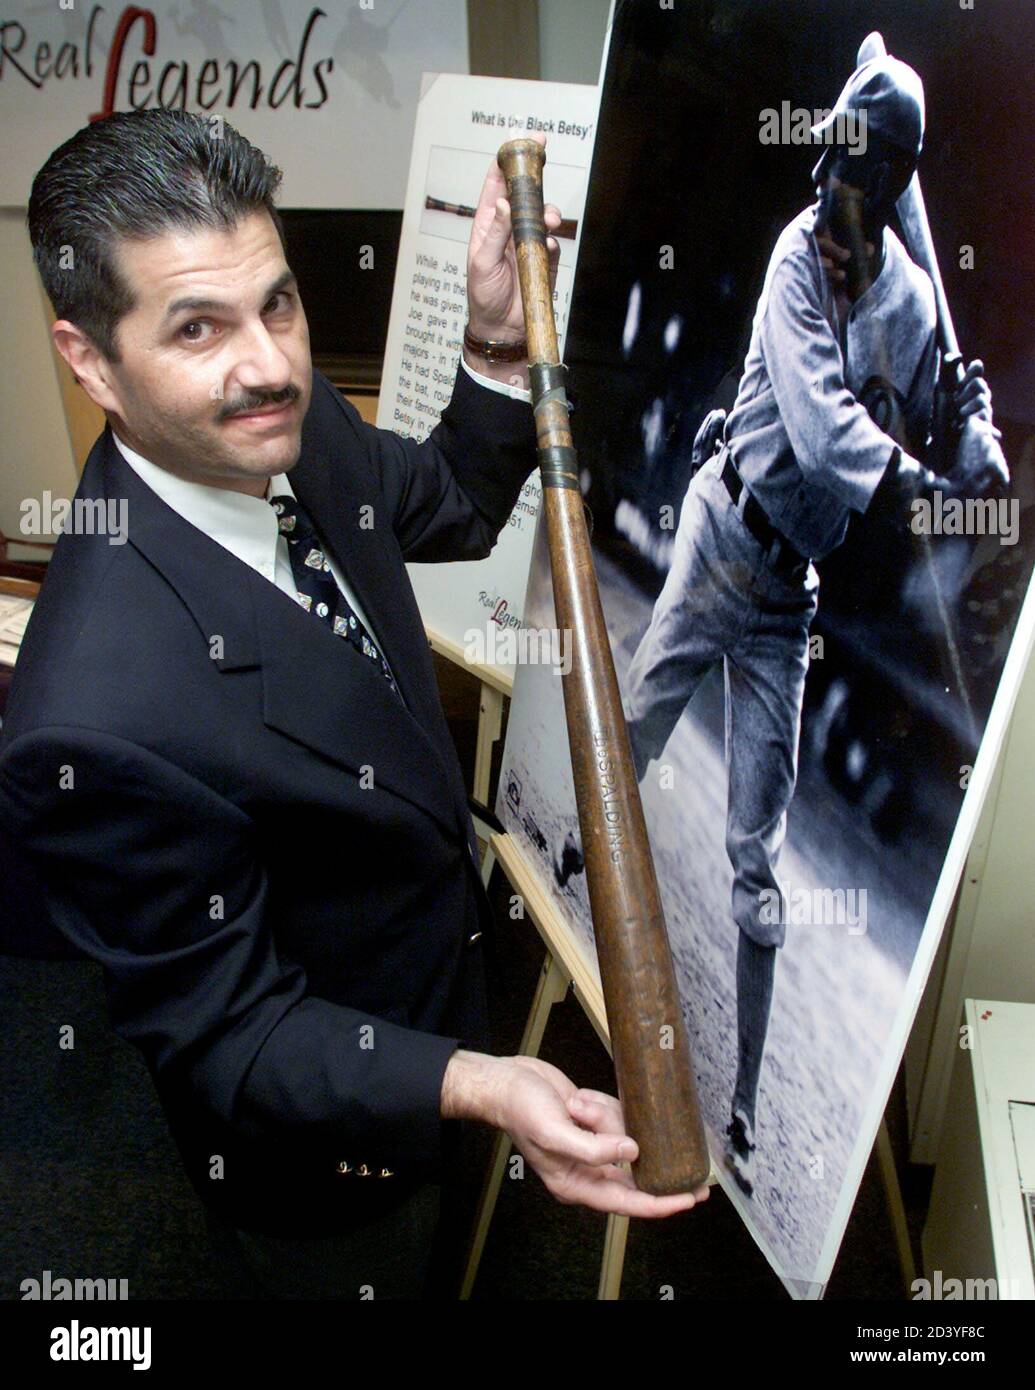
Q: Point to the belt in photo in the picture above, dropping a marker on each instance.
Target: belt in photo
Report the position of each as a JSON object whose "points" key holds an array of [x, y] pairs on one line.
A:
{"points": [[787, 559]]}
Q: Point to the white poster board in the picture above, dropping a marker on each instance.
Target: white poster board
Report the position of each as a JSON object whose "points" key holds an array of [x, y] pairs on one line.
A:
{"points": [[811, 776], [461, 123], [329, 93]]}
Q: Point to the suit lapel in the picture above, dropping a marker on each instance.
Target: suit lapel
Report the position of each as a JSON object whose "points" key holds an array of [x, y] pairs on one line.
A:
{"points": [[317, 688], [333, 492]]}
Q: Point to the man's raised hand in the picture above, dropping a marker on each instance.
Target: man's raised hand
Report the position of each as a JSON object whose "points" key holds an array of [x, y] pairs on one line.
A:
{"points": [[493, 293]]}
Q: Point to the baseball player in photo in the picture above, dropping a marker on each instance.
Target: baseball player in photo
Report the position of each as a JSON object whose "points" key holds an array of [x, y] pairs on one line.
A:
{"points": [[834, 405]]}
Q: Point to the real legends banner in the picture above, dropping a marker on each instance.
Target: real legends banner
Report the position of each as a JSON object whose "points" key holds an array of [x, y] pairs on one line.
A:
{"points": [[299, 80]]}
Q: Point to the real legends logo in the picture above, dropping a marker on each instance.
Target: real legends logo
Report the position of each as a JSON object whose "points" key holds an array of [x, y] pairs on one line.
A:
{"points": [[131, 82]]}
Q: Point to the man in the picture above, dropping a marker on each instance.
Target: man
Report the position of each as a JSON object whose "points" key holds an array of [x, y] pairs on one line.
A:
{"points": [[224, 748], [834, 407]]}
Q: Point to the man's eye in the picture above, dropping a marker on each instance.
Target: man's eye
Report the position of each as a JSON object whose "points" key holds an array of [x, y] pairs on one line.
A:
{"points": [[188, 331], [281, 300]]}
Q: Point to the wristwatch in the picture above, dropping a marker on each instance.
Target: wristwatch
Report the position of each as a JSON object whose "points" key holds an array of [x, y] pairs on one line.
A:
{"points": [[496, 349]]}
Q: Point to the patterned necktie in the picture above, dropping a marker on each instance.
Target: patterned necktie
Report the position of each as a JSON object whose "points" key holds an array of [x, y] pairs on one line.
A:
{"points": [[318, 592]]}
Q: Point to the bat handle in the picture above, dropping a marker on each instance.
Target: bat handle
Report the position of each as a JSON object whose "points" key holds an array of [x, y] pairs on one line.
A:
{"points": [[522, 164]]}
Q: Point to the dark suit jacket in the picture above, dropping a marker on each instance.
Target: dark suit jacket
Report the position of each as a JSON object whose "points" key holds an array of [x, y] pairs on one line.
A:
{"points": [[271, 856]]}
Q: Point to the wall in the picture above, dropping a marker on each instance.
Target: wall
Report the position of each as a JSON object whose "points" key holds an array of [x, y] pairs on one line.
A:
{"points": [[35, 448], [571, 39]]}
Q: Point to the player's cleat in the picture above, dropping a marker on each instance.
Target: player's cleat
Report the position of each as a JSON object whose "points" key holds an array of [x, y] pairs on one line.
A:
{"points": [[739, 1155], [569, 861]]}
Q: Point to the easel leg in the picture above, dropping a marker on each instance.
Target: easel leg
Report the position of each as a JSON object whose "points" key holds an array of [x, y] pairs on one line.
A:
{"points": [[488, 863], [610, 1285], [896, 1209], [552, 987], [490, 721]]}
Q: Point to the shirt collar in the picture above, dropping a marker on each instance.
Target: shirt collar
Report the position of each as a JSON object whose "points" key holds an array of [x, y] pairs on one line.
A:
{"points": [[244, 525]]}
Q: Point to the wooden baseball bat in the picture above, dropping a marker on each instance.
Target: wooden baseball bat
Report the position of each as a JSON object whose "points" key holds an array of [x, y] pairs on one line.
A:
{"points": [[645, 1018]]}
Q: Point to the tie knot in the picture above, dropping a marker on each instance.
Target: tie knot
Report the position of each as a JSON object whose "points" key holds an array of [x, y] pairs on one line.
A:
{"points": [[292, 519]]}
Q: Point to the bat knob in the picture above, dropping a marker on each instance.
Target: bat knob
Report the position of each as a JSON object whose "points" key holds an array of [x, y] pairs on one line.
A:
{"points": [[522, 157]]}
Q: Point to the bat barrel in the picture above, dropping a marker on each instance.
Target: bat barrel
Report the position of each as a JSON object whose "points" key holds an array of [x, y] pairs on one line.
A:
{"points": [[648, 1036]]}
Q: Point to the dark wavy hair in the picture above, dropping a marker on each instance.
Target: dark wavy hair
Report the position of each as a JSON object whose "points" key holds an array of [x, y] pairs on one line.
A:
{"points": [[136, 174]]}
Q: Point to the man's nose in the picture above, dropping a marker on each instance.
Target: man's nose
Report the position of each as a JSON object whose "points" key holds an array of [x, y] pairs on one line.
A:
{"points": [[262, 364]]}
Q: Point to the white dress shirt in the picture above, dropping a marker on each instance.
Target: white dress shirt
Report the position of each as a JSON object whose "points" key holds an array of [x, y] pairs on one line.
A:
{"points": [[247, 526], [244, 525]]}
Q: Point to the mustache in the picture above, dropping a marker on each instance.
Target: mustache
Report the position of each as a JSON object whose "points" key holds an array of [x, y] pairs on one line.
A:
{"points": [[255, 400]]}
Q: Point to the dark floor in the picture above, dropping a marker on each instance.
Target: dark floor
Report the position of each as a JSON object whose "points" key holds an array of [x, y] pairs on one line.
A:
{"points": [[90, 1182]]}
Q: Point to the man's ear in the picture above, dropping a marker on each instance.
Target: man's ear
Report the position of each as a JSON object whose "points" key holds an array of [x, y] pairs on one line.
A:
{"points": [[88, 364]]}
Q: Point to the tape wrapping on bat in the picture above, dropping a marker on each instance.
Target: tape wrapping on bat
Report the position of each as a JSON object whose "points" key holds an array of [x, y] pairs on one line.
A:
{"points": [[558, 463], [549, 382]]}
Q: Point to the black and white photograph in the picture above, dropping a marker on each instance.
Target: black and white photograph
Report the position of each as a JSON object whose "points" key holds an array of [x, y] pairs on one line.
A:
{"points": [[801, 360]]}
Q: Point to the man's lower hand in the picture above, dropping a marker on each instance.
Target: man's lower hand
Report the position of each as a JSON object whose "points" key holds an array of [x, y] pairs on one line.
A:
{"points": [[574, 1139]]}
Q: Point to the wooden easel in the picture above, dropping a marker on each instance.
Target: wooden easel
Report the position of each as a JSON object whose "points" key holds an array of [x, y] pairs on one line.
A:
{"points": [[494, 686], [567, 966]]}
